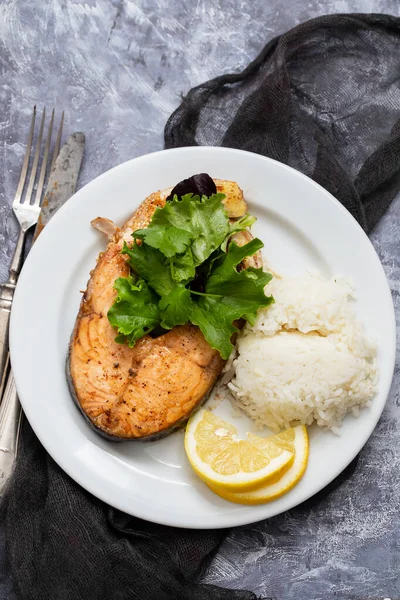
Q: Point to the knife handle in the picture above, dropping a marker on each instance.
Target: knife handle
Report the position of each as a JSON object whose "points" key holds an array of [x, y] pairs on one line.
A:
{"points": [[4, 323], [6, 298], [5, 376], [10, 423]]}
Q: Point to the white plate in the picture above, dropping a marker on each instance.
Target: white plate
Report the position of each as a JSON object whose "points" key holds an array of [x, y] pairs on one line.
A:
{"points": [[301, 225]]}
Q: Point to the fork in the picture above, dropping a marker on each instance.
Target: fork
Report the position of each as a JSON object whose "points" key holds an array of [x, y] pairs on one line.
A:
{"points": [[27, 214]]}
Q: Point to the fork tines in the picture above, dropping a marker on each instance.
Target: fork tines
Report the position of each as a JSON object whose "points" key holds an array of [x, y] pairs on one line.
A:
{"points": [[43, 170]]}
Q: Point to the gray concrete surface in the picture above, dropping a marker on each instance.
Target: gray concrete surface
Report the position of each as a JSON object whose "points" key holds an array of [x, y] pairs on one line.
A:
{"points": [[119, 68]]}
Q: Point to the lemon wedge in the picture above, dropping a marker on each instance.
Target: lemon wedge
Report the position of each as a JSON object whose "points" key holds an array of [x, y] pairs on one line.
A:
{"points": [[293, 440], [229, 464]]}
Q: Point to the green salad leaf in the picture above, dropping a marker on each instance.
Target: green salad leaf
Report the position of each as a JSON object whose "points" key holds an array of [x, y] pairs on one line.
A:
{"points": [[135, 312], [205, 220], [152, 266], [236, 226], [184, 269], [244, 286], [229, 296], [169, 240], [176, 307]]}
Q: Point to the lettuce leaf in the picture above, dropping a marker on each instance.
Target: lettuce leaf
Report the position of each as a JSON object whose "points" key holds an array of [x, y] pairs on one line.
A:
{"points": [[135, 311], [185, 271], [229, 296], [204, 219]]}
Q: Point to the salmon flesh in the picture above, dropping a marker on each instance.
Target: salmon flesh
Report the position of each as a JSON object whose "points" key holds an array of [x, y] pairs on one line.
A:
{"points": [[147, 391]]}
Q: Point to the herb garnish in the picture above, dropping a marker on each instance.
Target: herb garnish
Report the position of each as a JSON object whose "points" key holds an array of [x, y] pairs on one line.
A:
{"points": [[184, 270]]}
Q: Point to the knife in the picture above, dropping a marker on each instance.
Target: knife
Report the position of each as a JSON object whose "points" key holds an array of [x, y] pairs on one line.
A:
{"points": [[60, 188], [62, 180]]}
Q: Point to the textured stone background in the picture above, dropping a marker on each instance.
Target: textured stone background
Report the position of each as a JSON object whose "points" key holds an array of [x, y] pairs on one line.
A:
{"points": [[119, 68]]}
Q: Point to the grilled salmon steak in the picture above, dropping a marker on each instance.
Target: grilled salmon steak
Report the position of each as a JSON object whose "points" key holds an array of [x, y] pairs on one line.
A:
{"points": [[149, 390]]}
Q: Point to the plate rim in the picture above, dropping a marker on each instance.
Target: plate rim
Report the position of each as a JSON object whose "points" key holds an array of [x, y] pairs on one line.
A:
{"points": [[236, 519]]}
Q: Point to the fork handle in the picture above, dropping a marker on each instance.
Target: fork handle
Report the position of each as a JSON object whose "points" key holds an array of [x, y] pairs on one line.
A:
{"points": [[10, 423], [6, 298]]}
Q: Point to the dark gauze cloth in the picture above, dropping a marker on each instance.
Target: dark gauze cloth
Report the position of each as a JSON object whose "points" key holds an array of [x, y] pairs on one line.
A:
{"points": [[323, 98]]}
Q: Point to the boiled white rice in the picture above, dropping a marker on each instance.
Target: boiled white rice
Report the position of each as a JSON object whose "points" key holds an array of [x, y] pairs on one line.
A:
{"points": [[306, 358]]}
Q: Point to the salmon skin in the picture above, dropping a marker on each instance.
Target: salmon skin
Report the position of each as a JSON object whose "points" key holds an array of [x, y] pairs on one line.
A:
{"points": [[150, 390]]}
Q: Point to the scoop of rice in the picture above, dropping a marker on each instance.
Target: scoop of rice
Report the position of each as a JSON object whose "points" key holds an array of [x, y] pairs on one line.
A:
{"points": [[306, 358], [306, 302]]}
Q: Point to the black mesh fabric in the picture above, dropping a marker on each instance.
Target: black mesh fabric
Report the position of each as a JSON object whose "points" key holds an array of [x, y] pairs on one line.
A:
{"points": [[323, 98], [64, 544]]}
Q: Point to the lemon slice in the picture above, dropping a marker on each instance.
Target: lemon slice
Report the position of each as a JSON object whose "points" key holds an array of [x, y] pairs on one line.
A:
{"points": [[225, 462], [295, 439]]}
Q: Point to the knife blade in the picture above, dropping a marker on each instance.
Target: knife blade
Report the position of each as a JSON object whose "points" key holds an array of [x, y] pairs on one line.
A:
{"points": [[60, 187], [62, 180]]}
